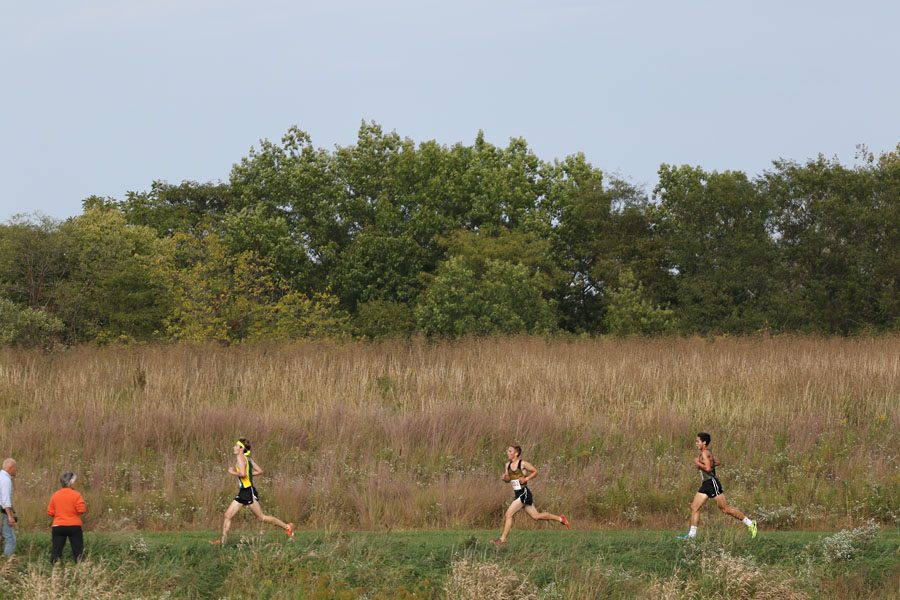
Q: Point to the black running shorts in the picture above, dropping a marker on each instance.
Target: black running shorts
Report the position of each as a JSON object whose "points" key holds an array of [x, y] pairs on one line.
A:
{"points": [[524, 495], [711, 487], [247, 496]]}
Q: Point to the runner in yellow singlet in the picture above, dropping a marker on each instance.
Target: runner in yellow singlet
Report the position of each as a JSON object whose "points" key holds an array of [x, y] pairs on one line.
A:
{"points": [[518, 473], [244, 469]]}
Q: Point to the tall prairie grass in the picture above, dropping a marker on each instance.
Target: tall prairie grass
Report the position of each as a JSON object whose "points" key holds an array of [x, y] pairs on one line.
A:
{"points": [[412, 434]]}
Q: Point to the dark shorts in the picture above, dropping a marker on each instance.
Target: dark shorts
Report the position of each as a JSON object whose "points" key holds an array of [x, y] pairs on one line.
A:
{"points": [[711, 487], [524, 495], [247, 496]]}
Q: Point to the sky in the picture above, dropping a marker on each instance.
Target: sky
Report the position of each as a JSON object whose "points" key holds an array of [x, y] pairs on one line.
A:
{"points": [[101, 97]]}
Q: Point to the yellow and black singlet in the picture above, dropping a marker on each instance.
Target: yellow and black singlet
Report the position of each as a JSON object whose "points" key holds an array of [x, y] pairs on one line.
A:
{"points": [[515, 474], [246, 479]]}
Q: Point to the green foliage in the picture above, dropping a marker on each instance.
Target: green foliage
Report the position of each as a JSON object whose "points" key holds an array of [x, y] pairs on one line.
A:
{"points": [[296, 183], [839, 237], [269, 236], [379, 267], [119, 277], [809, 247], [295, 316], [601, 231], [23, 326], [383, 318], [32, 261], [630, 313], [187, 207], [230, 298], [718, 248], [504, 298], [512, 246]]}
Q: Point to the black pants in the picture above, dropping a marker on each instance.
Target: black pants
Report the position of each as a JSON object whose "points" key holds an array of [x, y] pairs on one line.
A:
{"points": [[71, 532]]}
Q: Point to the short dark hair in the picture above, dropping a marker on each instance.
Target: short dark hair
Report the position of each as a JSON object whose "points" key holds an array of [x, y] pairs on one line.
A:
{"points": [[518, 450], [704, 437], [245, 443]]}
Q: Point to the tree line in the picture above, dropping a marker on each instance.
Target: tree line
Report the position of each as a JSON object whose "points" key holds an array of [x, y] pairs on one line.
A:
{"points": [[387, 237]]}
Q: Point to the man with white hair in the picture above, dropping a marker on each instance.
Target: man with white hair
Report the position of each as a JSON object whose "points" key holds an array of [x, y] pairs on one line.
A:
{"points": [[8, 527]]}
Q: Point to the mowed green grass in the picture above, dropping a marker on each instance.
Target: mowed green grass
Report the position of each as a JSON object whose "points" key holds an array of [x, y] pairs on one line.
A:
{"points": [[537, 563]]}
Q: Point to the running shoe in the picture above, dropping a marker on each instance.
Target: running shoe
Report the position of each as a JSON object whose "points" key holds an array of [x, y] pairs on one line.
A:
{"points": [[683, 536], [216, 542], [290, 531], [564, 521], [498, 542], [752, 528]]}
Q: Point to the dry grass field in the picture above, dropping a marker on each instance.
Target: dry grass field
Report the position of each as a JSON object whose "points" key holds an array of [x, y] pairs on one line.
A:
{"points": [[411, 435]]}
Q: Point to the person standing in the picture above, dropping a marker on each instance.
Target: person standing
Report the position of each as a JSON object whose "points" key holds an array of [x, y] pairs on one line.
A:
{"points": [[66, 507], [245, 468], [710, 487], [8, 527], [518, 473]]}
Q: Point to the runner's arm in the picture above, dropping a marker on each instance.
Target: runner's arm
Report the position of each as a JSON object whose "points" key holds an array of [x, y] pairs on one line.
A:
{"points": [[532, 472], [238, 467], [704, 463]]}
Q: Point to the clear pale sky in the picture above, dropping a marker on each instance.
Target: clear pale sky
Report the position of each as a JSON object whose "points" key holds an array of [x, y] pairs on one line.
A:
{"points": [[105, 96]]}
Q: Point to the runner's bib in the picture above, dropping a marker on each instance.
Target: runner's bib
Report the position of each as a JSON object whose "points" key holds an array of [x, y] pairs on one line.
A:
{"points": [[516, 485]]}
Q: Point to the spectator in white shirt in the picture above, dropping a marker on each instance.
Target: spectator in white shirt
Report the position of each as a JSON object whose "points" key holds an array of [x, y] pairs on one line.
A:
{"points": [[8, 527]]}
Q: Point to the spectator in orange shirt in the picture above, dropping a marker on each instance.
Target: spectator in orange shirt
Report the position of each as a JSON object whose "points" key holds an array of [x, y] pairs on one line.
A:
{"points": [[66, 507]]}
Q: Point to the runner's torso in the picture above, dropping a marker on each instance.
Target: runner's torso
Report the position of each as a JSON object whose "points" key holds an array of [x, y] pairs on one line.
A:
{"points": [[516, 474], [246, 479], [704, 476]]}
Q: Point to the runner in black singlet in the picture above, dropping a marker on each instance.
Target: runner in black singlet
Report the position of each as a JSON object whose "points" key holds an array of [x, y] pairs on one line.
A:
{"points": [[711, 488], [518, 473]]}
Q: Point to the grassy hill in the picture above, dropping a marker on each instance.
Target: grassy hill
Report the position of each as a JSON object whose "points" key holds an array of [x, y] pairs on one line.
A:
{"points": [[807, 429]]}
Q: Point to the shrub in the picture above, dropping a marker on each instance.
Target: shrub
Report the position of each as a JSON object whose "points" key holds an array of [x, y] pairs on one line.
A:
{"points": [[470, 580], [847, 543], [22, 326], [723, 575], [382, 318]]}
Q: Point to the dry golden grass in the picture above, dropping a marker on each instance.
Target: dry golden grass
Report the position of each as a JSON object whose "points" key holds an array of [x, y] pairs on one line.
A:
{"points": [[85, 581], [412, 434]]}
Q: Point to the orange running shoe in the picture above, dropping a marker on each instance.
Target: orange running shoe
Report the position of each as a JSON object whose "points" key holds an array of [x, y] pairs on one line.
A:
{"points": [[564, 521], [498, 542], [216, 542], [290, 531]]}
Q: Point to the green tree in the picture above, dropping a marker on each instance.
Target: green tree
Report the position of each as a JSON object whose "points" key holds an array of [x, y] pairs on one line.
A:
{"points": [[119, 277], [23, 326], [503, 299], [601, 229], [32, 261], [294, 188], [515, 246], [630, 313], [379, 266], [255, 229], [838, 232], [189, 207], [715, 231], [382, 318], [296, 316], [232, 298]]}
